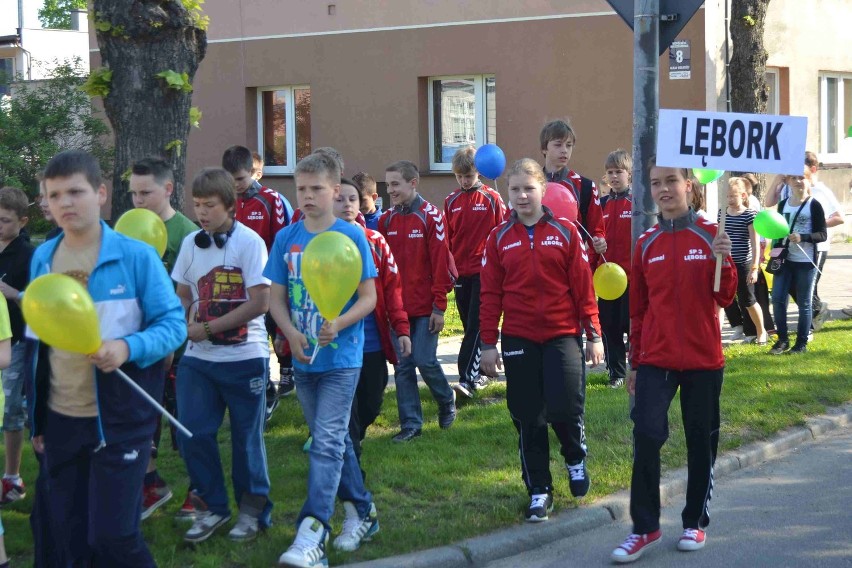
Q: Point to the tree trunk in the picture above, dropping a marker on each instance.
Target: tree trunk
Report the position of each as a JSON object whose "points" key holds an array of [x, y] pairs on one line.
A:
{"points": [[139, 39], [747, 68]]}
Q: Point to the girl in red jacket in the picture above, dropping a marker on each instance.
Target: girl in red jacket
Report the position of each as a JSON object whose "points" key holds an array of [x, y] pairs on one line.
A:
{"points": [[536, 273], [674, 348], [388, 315]]}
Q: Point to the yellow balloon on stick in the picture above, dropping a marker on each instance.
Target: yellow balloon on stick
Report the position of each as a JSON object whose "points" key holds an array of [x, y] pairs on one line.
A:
{"points": [[331, 269], [610, 281], [62, 314], [146, 226]]}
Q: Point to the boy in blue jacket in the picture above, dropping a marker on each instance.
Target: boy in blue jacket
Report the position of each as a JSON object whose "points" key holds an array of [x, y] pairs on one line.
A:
{"points": [[92, 428]]}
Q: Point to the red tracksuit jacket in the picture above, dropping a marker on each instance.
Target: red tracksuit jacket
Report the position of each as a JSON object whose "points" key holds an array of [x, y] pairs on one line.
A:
{"points": [[389, 311], [543, 287], [418, 238], [262, 210], [674, 322], [470, 217], [617, 219]]}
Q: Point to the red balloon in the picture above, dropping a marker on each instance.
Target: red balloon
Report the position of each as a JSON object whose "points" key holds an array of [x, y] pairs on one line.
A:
{"points": [[560, 200]]}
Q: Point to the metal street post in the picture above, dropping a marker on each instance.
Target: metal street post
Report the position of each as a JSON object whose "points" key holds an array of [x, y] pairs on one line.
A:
{"points": [[646, 103]]}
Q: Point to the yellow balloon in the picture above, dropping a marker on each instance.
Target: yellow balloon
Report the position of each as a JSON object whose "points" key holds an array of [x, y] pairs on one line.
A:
{"points": [[331, 269], [146, 226], [610, 281], [62, 314]]}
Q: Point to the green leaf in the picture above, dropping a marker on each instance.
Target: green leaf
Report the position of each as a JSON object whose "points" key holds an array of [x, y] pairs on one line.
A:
{"points": [[195, 117], [99, 82], [175, 80], [175, 145]]}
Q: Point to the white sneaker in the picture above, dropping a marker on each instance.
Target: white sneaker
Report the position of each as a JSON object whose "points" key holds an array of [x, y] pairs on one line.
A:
{"points": [[245, 529], [737, 333], [204, 526], [308, 548], [356, 529]]}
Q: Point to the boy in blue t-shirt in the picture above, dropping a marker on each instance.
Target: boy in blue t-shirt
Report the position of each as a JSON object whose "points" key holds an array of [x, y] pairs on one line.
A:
{"points": [[325, 387]]}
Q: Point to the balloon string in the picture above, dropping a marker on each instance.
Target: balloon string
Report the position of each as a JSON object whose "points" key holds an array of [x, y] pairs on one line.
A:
{"points": [[317, 347], [153, 402], [806, 254], [582, 228]]}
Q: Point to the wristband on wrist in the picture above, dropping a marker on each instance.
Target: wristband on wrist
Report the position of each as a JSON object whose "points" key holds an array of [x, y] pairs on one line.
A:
{"points": [[207, 330]]}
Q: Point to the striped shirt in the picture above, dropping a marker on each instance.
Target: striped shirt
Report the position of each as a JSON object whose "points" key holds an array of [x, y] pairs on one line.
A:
{"points": [[737, 228]]}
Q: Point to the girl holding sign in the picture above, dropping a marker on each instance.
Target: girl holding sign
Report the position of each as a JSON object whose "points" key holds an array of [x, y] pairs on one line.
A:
{"points": [[795, 257]]}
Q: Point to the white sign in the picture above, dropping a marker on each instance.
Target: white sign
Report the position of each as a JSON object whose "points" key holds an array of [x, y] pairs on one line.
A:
{"points": [[758, 143]]}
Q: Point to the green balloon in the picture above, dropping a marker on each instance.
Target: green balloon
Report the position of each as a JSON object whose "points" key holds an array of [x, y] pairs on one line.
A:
{"points": [[771, 225], [706, 176]]}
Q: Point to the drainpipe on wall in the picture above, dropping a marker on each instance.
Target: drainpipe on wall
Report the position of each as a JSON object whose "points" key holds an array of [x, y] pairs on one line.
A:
{"points": [[727, 58]]}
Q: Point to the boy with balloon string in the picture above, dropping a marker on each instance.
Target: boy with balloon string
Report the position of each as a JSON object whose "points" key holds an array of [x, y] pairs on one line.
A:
{"points": [[674, 264], [93, 429], [322, 319], [541, 335], [388, 321]]}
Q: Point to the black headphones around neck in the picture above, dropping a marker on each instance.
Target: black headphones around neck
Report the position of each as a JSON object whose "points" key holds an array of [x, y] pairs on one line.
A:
{"points": [[203, 239]]}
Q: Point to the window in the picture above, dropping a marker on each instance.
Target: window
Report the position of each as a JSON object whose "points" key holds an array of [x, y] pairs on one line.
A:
{"points": [[283, 127], [7, 73], [835, 111], [462, 111], [773, 105]]}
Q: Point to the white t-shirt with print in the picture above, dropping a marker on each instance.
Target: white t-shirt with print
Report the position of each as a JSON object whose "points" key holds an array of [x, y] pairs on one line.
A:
{"points": [[803, 226], [826, 198], [219, 279]]}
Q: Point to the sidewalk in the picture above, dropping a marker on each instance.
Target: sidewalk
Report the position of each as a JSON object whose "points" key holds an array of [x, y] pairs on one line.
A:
{"points": [[835, 288]]}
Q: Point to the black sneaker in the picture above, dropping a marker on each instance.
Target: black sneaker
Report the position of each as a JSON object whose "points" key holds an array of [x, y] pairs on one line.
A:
{"points": [[615, 382], [271, 400], [780, 347], [480, 382], [540, 505], [447, 413], [464, 388], [798, 348], [286, 385], [407, 434], [578, 478]]}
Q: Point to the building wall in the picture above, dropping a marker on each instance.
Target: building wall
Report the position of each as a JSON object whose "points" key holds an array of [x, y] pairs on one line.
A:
{"points": [[368, 90]]}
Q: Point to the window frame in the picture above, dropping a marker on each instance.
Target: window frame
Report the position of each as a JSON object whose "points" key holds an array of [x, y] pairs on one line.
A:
{"points": [[824, 127], [480, 117], [290, 123], [775, 88]]}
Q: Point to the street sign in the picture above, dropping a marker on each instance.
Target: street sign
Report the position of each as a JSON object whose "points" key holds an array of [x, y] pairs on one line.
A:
{"points": [[680, 63], [731, 141], [674, 15]]}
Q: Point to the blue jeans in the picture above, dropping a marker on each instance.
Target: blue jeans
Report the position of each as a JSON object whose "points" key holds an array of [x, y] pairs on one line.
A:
{"points": [[204, 390], [15, 405], [424, 347], [326, 400], [795, 277]]}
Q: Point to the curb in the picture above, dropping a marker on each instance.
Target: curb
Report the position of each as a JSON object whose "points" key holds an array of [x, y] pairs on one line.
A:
{"points": [[511, 541]]}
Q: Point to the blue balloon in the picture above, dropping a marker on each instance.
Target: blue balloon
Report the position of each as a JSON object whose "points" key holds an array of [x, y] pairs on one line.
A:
{"points": [[490, 161]]}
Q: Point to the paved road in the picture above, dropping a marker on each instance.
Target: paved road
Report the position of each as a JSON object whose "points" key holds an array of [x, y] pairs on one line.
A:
{"points": [[793, 511]]}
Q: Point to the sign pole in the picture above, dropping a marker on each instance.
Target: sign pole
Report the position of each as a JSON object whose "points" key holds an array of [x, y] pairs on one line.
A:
{"points": [[723, 210], [646, 102]]}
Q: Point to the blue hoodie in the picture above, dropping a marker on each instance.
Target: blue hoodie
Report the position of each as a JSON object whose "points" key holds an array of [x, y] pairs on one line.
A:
{"points": [[136, 302]]}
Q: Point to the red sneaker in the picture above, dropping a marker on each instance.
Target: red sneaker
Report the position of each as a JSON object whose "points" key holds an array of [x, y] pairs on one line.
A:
{"points": [[691, 539], [12, 491], [634, 546], [187, 511], [153, 497]]}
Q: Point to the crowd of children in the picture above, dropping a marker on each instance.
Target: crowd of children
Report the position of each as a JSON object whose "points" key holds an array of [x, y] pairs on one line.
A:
{"points": [[522, 277]]}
